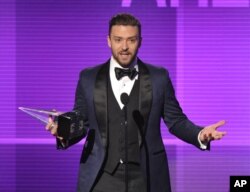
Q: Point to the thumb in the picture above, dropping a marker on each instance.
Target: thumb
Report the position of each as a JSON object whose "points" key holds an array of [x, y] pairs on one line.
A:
{"points": [[50, 119]]}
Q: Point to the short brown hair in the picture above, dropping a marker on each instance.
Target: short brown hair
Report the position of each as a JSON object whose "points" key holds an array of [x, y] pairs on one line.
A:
{"points": [[124, 19]]}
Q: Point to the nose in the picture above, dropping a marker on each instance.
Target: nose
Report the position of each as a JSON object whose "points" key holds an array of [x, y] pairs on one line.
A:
{"points": [[124, 45]]}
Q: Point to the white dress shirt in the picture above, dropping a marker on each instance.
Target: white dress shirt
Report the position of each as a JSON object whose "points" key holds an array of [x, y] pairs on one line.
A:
{"points": [[125, 84]]}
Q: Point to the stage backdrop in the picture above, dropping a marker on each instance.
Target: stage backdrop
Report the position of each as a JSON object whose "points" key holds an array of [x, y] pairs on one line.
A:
{"points": [[44, 44]]}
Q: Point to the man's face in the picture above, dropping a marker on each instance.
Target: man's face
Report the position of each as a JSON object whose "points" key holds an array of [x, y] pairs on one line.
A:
{"points": [[124, 42]]}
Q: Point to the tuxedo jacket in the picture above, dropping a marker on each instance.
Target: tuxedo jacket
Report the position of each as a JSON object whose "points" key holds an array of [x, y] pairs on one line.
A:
{"points": [[156, 100]]}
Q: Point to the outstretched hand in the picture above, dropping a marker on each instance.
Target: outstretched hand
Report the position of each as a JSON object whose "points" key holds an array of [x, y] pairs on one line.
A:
{"points": [[210, 132]]}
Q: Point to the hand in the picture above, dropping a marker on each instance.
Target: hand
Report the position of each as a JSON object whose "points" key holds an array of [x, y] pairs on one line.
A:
{"points": [[52, 127], [210, 132]]}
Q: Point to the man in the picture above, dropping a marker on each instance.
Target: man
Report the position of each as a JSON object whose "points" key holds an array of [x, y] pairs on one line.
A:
{"points": [[124, 149]]}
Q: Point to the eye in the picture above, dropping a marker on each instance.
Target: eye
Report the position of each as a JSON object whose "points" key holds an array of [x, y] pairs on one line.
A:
{"points": [[117, 40], [133, 40]]}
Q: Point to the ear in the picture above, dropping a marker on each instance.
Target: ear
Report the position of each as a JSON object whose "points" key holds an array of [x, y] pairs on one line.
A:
{"points": [[109, 41]]}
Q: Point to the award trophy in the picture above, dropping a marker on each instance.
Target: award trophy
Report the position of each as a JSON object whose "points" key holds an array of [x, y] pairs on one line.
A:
{"points": [[69, 122]]}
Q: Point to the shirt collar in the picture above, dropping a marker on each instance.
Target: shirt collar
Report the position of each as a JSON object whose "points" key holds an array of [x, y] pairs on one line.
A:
{"points": [[114, 63]]}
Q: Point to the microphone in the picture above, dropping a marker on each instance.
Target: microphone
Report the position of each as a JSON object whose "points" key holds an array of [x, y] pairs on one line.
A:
{"points": [[124, 98]]}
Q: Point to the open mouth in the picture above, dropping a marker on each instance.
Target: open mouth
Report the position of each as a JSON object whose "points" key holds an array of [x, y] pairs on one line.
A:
{"points": [[124, 55]]}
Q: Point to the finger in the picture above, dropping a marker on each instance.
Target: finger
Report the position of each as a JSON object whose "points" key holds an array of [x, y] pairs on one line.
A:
{"points": [[203, 137], [206, 137], [51, 126], [210, 136], [48, 126], [50, 119], [218, 135], [223, 133], [53, 131], [218, 124]]}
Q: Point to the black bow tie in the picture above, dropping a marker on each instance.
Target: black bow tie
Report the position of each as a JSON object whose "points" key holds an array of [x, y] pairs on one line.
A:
{"points": [[131, 73]]}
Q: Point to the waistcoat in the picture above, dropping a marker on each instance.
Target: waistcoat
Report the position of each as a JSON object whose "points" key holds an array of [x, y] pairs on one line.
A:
{"points": [[116, 130]]}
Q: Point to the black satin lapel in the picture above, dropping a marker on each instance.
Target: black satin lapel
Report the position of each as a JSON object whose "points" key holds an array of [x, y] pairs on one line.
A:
{"points": [[101, 102], [145, 98]]}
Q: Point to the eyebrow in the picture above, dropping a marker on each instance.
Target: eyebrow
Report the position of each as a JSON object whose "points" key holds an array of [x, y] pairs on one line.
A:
{"points": [[128, 37]]}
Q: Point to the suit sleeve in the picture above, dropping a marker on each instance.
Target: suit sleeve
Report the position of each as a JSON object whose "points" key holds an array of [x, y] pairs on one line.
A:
{"points": [[80, 110], [173, 116]]}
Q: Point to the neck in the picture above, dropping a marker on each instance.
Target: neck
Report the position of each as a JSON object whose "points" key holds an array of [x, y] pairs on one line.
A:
{"points": [[130, 65]]}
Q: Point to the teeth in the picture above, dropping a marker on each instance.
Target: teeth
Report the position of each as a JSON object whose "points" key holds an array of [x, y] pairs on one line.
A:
{"points": [[124, 56]]}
